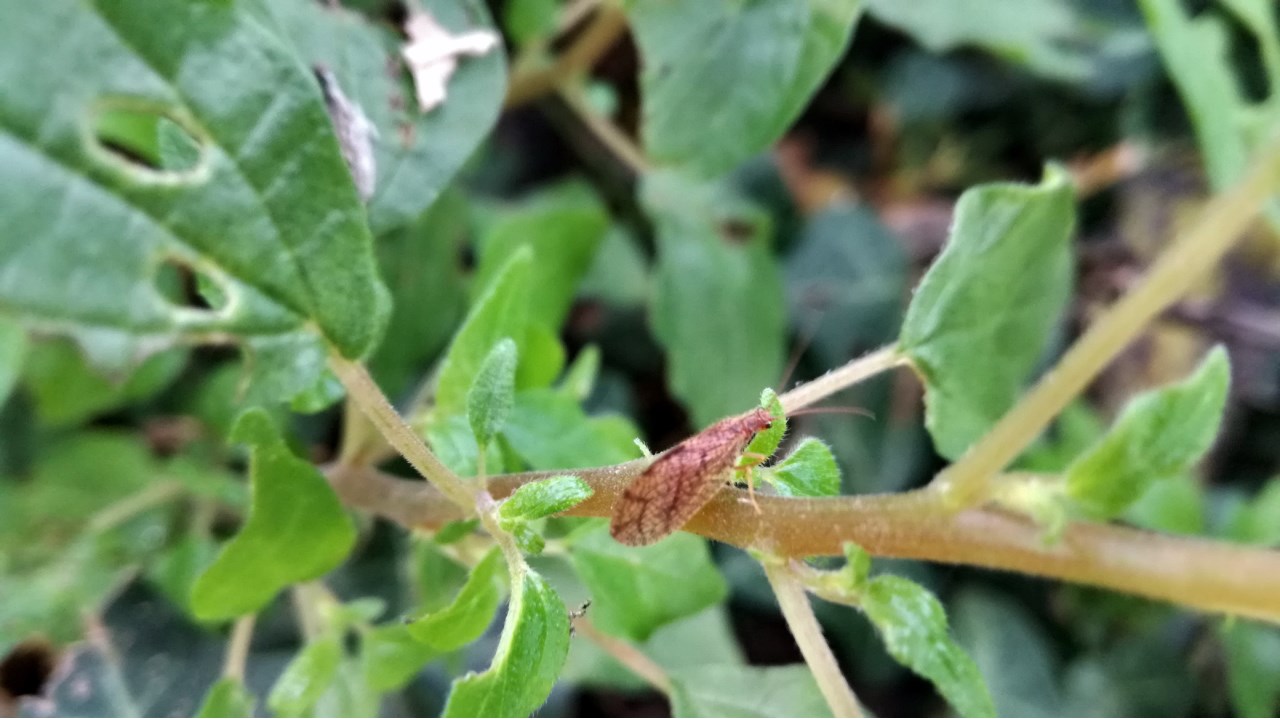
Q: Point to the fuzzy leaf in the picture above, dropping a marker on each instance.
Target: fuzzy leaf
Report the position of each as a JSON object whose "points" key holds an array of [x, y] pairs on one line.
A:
{"points": [[493, 392], [766, 442], [470, 613], [531, 652], [809, 471], [296, 529], [1159, 435], [983, 314], [545, 498]]}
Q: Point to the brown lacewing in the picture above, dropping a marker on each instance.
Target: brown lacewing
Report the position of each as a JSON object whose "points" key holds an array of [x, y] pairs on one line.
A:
{"points": [[679, 483]]}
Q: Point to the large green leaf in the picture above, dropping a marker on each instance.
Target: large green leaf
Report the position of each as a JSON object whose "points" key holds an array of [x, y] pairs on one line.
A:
{"points": [[549, 430], [717, 304], [636, 590], [531, 652], [296, 529], [266, 218], [984, 312], [416, 154], [1159, 435], [470, 613], [723, 79]]}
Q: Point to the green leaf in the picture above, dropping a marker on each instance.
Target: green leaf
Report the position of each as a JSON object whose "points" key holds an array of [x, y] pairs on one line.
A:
{"points": [[13, 348], [471, 612], [417, 154], [717, 306], [493, 392], [296, 529], [529, 20], [227, 698], [766, 442], [1011, 648], [913, 626], [1258, 522], [984, 312], [267, 215], [501, 311], [1175, 505], [742, 691], [456, 530], [580, 378], [545, 497], [549, 430], [857, 565], [175, 571], [390, 657], [1253, 666], [563, 228], [1160, 434], [744, 69], [454, 443], [528, 539], [809, 471], [1054, 39], [531, 652], [306, 678], [636, 590], [541, 357], [68, 391]]}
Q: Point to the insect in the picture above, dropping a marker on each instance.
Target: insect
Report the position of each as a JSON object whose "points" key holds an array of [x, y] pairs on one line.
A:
{"points": [[667, 494]]}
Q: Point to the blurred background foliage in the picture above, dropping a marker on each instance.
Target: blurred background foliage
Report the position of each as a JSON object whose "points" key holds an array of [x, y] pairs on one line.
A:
{"points": [[830, 228]]}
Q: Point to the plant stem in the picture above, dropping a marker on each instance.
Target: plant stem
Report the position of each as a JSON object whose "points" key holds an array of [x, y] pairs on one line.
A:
{"points": [[238, 648], [1207, 575], [855, 371], [603, 31], [614, 140], [1221, 224], [361, 388], [113, 515], [808, 635], [626, 655]]}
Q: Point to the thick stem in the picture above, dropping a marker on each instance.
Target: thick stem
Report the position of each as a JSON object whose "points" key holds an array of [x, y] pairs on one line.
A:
{"points": [[808, 635], [1207, 575], [364, 391], [1221, 224]]}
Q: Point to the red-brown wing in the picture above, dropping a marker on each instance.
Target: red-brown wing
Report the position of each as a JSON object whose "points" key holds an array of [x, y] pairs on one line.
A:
{"points": [[667, 494]]}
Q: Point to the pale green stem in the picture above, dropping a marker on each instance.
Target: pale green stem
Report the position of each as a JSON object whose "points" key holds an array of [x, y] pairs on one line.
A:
{"points": [[847, 375], [238, 648], [808, 635], [114, 515], [361, 387], [1225, 219]]}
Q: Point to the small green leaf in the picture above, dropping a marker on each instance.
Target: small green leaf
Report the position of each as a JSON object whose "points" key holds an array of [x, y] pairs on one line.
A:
{"points": [[766, 442], [809, 471], [176, 570], [857, 565], [493, 392], [580, 378], [983, 314], [541, 357], [742, 691], [528, 539], [718, 307], [545, 497], [390, 657], [530, 655], [13, 348], [471, 612], [1258, 522], [636, 590], [1253, 666], [454, 443], [306, 678], [913, 626], [1160, 434], [226, 698], [745, 69], [501, 311], [296, 529]]}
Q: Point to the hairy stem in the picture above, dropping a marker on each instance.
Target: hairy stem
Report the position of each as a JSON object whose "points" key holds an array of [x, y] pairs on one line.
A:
{"points": [[858, 370], [1192, 255], [364, 391], [808, 635], [1207, 575]]}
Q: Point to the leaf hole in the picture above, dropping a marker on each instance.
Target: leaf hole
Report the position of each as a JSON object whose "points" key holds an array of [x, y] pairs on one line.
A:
{"points": [[187, 288], [148, 141]]}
